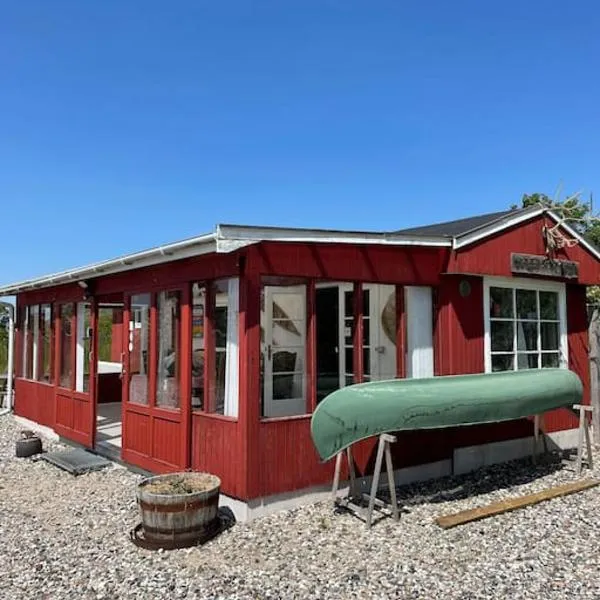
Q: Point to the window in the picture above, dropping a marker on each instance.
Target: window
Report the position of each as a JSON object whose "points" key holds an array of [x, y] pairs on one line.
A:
{"points": [[67, 312], [168, 343], [139, 348], [198, 344], [83, 350], [45, 374], [225, 325], [525, 326], [30, 314]]}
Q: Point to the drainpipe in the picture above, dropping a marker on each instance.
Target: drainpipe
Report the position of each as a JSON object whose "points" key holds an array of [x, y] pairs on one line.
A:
{"points": [[11, 357]]}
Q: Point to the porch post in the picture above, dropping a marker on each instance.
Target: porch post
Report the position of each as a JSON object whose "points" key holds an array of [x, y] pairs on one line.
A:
{"points": [[249, 388], [185, 392]]}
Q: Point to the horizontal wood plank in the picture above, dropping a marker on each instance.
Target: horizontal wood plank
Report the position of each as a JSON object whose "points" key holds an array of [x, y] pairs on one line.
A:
{"points": [[503, 506]]}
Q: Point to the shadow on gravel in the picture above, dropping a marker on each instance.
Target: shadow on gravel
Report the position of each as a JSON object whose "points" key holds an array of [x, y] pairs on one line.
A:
{"points": [[482, 481]]}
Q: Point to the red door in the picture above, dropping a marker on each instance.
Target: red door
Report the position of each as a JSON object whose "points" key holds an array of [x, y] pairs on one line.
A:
{"points": [[75, 372], [156, 380]]}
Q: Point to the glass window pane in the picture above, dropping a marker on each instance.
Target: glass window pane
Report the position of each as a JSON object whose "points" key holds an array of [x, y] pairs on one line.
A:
{"points": [[366, 302], [527, 361], [527, 336], [550, 336], [549, 305], [348, 331], [366, 332], [45, 370], [82, 351], [224, 394], [502, 336], [349, 360], [349, 303], [501, 302], [168, 341], [220, 382], [29, 342], [527, 304], [550, 361], [502, 362], [287, 361], [139, 347], [66, 346], [366, 361], [34, 334], [198, 344]]}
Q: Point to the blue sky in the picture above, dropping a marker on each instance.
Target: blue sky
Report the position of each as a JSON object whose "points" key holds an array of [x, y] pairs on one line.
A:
{"points": [[128, 124]]}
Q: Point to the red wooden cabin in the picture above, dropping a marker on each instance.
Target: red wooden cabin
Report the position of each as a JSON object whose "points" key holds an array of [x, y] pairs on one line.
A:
{"points": [[212, 353]]}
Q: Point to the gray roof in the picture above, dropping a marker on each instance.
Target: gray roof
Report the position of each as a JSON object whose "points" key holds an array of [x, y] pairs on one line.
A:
{"points": [[460, 226]]}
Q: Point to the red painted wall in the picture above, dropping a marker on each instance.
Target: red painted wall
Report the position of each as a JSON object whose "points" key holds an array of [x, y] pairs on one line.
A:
{"points": [[492, 255], [415, 265], [459, 327], [216, 449]]}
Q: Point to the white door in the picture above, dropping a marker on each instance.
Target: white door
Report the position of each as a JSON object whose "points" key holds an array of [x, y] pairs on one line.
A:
{"points": [[284, 350], [379, 332], [419, 331]]}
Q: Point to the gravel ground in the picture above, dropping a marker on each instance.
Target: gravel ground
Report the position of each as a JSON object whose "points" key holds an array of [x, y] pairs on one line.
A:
{"points": [[67, 537]]}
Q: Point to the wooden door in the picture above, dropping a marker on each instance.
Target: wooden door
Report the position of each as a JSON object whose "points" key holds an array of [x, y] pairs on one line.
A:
{"points": [[156, 394], [75, 372]]}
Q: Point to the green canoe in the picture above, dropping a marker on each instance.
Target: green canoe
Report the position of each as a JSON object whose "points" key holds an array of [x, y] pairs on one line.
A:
{"points": [[360, 411]]}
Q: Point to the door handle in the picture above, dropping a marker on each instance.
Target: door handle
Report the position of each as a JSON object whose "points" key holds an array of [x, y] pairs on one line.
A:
{"points": [[269, 351]]}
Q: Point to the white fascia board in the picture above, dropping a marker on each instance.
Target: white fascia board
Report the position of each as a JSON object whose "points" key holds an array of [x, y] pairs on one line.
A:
{"points": [[238, 236], [162, 254], [477, 235]]}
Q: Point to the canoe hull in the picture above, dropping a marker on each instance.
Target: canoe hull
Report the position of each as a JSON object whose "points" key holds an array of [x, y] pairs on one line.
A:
{"points": [[360, 411]]}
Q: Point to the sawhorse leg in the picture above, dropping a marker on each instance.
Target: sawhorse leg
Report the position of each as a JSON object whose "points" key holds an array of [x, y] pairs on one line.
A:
{"points": [[383, 448], [337, 472], [584, 432]]}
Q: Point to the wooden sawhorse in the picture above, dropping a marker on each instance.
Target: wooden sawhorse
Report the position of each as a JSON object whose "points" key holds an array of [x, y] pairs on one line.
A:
{"points": [[584, 431], [383, 448]]}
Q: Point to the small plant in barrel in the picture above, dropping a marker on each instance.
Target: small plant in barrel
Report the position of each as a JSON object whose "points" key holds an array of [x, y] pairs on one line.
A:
{"points": [[179, 509]]}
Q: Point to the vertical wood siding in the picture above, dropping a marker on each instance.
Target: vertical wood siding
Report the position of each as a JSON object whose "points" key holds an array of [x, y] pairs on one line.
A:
{"points": [[492, 255], [216, 448], [35, 401]]}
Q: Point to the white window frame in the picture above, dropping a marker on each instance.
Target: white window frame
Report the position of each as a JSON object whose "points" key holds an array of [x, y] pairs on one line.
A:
{"points": [[526, 284]]}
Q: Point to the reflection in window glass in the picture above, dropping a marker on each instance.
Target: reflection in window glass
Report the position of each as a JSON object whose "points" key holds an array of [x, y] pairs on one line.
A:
{"points": [[34, 331], [66, 345], [46, 330], [198, 344], [549, 306], [532, 338], [139, 335], [168, 343], [225, 326], [82, 352], [501, 303], [283, 331]]}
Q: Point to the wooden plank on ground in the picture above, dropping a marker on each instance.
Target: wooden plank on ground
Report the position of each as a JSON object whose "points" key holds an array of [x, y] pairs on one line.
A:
{"points": [[503, 506]]}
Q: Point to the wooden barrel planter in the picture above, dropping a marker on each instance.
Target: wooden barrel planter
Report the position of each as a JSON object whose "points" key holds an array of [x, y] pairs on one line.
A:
{"points": [[178, 509]]}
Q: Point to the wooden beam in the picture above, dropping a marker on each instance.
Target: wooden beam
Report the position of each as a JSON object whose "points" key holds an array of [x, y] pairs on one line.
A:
{"points": [[503, 506]]}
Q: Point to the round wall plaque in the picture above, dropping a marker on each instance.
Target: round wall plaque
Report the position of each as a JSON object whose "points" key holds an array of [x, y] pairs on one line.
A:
{"points": [[464, 288]]}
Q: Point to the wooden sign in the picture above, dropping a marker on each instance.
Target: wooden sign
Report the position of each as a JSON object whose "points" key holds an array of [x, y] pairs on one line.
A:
{"points": [[532, 264]]}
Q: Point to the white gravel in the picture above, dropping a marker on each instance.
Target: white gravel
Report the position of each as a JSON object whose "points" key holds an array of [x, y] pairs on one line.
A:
{"points": [[67, 537]]}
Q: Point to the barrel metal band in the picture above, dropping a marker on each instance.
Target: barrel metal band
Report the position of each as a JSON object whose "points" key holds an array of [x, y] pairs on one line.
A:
{"points": [[181, 507]]}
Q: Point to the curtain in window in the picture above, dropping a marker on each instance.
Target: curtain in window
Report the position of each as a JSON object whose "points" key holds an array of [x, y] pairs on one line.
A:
{"points": [[232, 360]]}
